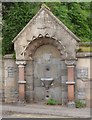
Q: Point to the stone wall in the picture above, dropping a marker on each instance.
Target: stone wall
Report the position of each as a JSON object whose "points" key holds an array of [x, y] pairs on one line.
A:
{"points": [[83, 79], [10, 81]]}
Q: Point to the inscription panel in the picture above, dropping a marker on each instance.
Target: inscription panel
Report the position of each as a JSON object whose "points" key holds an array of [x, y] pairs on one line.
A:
{"points": [[11, 71], [82, 73]]}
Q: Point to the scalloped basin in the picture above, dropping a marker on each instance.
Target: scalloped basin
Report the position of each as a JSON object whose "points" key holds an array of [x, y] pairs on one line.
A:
{"points": [[47, 82]]}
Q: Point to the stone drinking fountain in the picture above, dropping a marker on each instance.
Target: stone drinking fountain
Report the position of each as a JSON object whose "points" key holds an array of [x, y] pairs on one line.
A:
{"points": [[47, 83]]}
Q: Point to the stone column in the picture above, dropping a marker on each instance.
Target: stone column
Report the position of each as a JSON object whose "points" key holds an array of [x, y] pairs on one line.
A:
{"points": [[21, 65], [71, 83]]}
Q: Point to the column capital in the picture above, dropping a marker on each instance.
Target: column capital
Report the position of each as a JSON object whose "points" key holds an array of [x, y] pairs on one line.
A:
{"points": [[70, 62], [21, 62]]}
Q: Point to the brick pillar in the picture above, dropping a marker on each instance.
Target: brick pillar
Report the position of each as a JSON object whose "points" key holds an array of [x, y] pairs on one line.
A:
{"points": [[71, 83], [21, 65]]}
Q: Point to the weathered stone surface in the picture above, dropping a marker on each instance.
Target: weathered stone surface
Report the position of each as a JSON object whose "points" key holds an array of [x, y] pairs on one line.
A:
{"points": [[82, 73], [80, 84], [56, 94], [39, 94], [64, 97], [84, 63], [64, 79], [84, 54], [71, 104], [63, 72], [29, 79], [81, 95], [10, 79]]}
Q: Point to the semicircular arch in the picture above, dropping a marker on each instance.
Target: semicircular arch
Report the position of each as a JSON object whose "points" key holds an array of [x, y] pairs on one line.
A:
{"points": [[35, 44]]}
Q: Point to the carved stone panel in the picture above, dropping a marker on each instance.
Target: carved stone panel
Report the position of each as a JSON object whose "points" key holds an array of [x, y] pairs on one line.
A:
{"points": [[11, 71]]}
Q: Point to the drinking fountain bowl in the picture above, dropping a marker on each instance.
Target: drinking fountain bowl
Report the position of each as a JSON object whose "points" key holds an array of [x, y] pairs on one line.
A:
{"points": [[47, 81]]}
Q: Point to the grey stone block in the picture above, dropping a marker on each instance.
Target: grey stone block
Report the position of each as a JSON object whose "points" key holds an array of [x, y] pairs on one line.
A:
{"points": [[39, 93], [81, 95], [63, 79], [82, 73], [64, 72], [56, 94], [29, 79]]}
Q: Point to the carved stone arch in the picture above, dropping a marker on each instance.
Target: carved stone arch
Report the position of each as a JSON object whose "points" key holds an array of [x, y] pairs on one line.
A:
{"points": [[39, 41]]}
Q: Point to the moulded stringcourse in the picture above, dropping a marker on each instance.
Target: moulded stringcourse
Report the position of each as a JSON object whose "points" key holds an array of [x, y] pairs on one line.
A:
{"points": [[70, 82], [22, 82]]}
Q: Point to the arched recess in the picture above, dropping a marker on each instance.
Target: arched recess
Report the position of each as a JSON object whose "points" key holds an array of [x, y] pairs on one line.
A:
{"points": [[32, 46], [45, 67]]}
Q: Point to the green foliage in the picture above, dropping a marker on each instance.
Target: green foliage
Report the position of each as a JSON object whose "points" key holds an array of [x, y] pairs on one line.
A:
{"points": [[0, 48], [14, 19], [76, 16], [85, 49], [14, 56], [79, 104], [51, 102]]}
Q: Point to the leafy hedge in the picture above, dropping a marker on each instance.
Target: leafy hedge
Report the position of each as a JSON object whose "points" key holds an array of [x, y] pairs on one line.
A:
{"points": [[76, 16]]}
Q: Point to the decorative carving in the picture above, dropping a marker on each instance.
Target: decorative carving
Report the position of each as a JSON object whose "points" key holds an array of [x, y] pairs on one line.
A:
{"points": [[47, 35], [40, 35], [20, 62], [70, 62], [31, 47]]}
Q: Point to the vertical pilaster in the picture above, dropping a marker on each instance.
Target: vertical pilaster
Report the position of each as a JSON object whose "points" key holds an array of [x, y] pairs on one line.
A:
{"points": [[71, 83], [21, 65]]}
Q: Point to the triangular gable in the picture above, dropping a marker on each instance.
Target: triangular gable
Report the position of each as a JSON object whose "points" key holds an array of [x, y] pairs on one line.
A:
{"points": [[46, 9]]}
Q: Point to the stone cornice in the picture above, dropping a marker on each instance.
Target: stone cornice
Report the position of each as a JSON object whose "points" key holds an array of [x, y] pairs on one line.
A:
{"points": [[84, 54], [8, 56]]}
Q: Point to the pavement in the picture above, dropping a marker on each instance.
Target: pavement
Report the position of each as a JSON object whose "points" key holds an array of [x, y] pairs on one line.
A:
{"points": [[43, 111]]}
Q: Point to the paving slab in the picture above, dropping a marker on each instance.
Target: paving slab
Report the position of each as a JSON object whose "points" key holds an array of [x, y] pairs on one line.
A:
{"points": [[38, 110]]}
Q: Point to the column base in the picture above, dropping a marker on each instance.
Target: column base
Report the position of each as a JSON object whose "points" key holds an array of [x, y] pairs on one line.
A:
{"points": [[21, 102], [71, 104]]}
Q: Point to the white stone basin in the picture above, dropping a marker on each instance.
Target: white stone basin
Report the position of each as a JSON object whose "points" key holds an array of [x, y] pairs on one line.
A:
{"points": [[47, 82], [48, 79]]}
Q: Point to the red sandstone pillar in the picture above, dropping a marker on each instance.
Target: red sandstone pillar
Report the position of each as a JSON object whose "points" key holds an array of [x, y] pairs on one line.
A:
{"points": [[71, 84], [21, 81]]}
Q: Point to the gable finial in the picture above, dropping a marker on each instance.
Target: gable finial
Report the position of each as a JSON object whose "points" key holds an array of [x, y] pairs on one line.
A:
{"points": [[45, 6]]}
